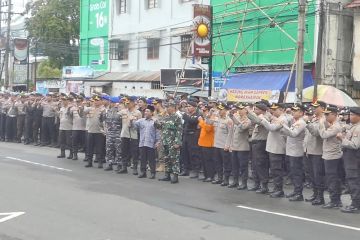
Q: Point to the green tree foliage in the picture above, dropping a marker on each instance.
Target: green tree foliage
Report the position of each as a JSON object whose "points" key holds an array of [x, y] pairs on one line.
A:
{"points": [[54, 28], [46, 70]]}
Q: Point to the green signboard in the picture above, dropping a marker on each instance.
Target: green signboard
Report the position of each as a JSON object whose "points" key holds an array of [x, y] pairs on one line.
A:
{"points": [[259, 32], [94, 30]]}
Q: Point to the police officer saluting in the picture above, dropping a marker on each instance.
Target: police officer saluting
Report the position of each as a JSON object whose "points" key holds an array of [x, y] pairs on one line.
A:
{"points": [[351, 147]]}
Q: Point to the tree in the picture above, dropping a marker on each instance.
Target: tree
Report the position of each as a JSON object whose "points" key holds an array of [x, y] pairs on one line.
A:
{"points": [[46, 70], [54, 27]]}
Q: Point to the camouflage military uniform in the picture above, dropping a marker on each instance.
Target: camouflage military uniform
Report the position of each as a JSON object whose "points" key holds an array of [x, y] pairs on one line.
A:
{"points": [[171, 132], [113, 125]]}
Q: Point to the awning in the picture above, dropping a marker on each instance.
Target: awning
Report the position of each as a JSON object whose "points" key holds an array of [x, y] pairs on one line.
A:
{"points": [[96, 84], [176, 32], [353, 4], [150, 76], [266, 81], [149, 35]]}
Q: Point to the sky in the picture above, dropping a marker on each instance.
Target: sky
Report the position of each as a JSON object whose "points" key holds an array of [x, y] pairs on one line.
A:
{"points": [[19, 5]]}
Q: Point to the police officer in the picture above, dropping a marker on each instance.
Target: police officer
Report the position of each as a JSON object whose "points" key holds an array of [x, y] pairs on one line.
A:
{"points": [[129, 136], [313, 149], [260, 158], [29, 119], [351, 148], [78, 127], [48, 122], [95, 141], [113, 126], [332, 153], [191, 151], [240, 148], [38, 112], [295, 150], [11, 120], [171, 131], [65, 127], [276, 147], [20, 119]]}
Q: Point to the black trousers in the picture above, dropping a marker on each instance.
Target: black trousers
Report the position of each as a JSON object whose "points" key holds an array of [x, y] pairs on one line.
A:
{"points": [[2, 126], [95, 144], [332, 173], [240, 165], [277, 168], [352, 168], [147, 156], [129, 151], [308, 169], [28, 129], [77, 140], [48, 130], [10, 128], [65, 139], [222, 162], [260, 160], [318, 169], [20, 124], [207, 159], [36, 128], [190, 158], [297, 173]]}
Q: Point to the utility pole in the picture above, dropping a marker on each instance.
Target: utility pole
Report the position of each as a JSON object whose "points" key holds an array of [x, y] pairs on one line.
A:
{"points": [[7, 49], [318, 63], [300, 50]]}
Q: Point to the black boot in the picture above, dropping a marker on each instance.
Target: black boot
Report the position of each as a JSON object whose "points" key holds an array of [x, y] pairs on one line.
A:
{"points": [[75, 156], [89, 164], [62, 154], [297, 198], [71, 155], [312, 197], [234, 184], [255, 187], [225, 182], [109, 167], [264, 189], [277, 194], [152, 176], [319, 200], [135, 170], [166, 177], [194, 175], [184, 173], [142, 175], [174, 178], [100, 164], [123, 170], [243, 185]]}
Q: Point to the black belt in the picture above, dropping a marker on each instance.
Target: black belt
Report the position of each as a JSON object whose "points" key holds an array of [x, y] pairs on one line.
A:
{"points": [[258, 141]]}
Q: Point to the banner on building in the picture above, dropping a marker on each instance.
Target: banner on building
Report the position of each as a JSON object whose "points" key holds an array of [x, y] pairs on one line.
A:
{"points": [[20, 49], [20, 74], [202, 30], [240, 95], [77, 72], [53, 85]]}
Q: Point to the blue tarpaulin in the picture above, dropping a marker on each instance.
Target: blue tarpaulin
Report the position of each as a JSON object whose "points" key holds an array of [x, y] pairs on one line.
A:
{"points": [[276, 80]]}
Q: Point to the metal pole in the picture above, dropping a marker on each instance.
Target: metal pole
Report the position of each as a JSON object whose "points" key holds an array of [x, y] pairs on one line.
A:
{"points": [[7, 49], [318, 63], [28, 66], [211, 54], [300, 53], [35, 68]]}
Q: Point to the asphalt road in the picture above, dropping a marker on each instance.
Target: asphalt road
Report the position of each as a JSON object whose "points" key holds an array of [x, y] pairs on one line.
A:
{"points": [[62, 200]]}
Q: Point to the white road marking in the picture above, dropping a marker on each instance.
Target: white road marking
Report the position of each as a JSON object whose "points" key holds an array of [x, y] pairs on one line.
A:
{"points": [[10, 216], [39, 164], [300, 218]]}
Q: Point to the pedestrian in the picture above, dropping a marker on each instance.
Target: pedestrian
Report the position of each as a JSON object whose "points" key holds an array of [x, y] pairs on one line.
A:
{"points": [[240, 147], [350, 142], [113, 126], [48, 121], [149, 141], [332, 153], [65, 127], [295, 150], [171, 128], [20, 119], [78, 127], [260, 158]]}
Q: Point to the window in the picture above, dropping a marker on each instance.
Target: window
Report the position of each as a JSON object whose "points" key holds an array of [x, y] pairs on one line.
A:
{"points": [[122, 6], [119, 50], [153, 4], [185, 43], [155, 85], [153, 46]]}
